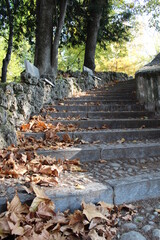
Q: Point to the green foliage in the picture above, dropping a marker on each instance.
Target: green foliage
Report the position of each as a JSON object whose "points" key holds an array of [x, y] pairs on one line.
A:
{"points": [[23, 20], [14, 68], [71, 58], [151, 8], [19, 15], [112, 27]]}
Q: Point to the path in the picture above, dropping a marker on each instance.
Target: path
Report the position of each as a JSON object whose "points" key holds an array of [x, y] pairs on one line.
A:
{"points": [[119, 148], [117, 142]]}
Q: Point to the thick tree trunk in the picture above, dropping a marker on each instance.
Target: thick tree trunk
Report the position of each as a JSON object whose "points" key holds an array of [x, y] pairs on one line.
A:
{"points": [[95, 11], [63, 7], [44, 36], [7, 58]]}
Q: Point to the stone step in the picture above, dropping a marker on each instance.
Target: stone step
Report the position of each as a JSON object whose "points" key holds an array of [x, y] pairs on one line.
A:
{"points": [[112, 182], [104, 97], [106, 136], [90, 153], [98, 107], [81, 102], [112, 123], [109, 93], [100, 115]]}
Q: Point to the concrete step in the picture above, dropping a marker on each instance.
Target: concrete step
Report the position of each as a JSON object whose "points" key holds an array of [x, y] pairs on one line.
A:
{"points": [[106, 136], [98, 107], [100, 115], [112, 123]]}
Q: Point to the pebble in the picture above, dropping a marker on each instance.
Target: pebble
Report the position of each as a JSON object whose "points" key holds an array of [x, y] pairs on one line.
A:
{"points": [[151, 217], [138, 219], [156, 234], [147, 228], [129, 226], [133, 235]]}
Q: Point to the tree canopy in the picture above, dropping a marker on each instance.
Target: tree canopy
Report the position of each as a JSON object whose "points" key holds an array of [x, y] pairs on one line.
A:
{"points": [[18, 26]]}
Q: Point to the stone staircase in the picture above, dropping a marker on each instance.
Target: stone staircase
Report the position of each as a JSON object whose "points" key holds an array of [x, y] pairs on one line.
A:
{"points": [[118, 147]]}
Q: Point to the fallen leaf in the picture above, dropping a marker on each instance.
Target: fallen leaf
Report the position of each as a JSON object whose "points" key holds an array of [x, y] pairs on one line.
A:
{"points": [[122, 140], [66, 138], [90, 211], [79, 187]]}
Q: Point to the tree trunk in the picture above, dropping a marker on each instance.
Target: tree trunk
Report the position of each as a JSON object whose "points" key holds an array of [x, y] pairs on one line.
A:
{"points": [[44, 35], [7, 58], [95, 13], [63, 7]]}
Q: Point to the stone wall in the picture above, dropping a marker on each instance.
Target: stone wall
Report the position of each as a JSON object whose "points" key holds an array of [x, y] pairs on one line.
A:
{"points": [[148, 85], [18, 101]]}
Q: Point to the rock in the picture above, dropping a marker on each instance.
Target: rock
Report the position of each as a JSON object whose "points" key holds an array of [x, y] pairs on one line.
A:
{"points": [[156, 234], [138, 219], [147, 228], [3, 99], [7, 135], [3, 116], [133, 235], [151, 217], [129, 226], [18, 88], [31, 69], [23, 106]]}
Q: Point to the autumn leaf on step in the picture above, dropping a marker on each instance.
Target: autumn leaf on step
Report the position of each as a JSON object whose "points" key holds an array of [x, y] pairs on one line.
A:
{"points": [[40, 197], [90, 211], [25, 127], [76, 217], [39, 126], [16, 206], [157, 210], [79, 187], [39, 192], [94, 235], [45, 210], [66, 138], [71, 127], [4, 227], [122, 140], [50, 134], [51, 170], [105, 126], [43, 180], [106, 205]]}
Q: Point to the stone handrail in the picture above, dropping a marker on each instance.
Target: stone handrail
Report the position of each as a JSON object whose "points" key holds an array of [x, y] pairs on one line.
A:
{"points": [[148, 85]]}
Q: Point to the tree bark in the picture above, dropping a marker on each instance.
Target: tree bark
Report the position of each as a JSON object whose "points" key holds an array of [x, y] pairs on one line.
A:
{"points": [[63, 7], [7, 58], [95, 13], [44, 35]]}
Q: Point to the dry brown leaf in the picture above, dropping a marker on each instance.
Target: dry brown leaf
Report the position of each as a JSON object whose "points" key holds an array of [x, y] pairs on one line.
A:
{"points": [[90, 211], [16, 206], [106, 205], [76, 217], [94, 235], [66, 138], [25, 127], [18, 230], [45, 210], [79, 187], [157, 210], [122, 140], [39, 192], [4, 227]]}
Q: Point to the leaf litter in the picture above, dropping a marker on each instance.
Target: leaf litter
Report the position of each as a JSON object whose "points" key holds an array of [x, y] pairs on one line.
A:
{"points": [[41, 221]]}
